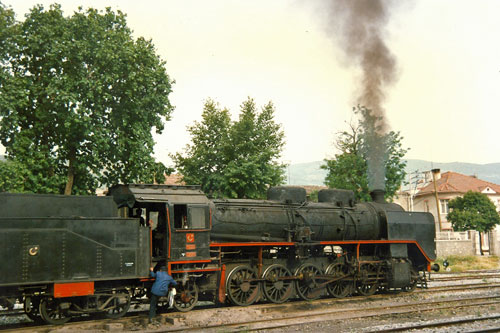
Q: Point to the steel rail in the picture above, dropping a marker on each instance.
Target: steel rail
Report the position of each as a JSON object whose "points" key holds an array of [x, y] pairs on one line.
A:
{"points": [[464, 277], [282, 322], [443, 324]]}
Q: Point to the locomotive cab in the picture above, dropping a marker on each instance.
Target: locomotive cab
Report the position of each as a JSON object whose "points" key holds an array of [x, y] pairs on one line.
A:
{"points": [[190, 231], [179, 218]]}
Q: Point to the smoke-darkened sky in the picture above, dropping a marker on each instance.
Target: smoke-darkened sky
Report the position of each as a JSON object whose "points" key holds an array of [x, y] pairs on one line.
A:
{"points": [[444, 98]]}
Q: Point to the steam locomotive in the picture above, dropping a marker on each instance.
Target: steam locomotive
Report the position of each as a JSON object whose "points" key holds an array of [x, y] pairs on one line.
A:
{"points": [[65, 256]]}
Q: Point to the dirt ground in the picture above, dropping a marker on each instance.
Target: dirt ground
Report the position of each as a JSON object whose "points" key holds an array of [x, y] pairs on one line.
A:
{"points": [[214, 316]]}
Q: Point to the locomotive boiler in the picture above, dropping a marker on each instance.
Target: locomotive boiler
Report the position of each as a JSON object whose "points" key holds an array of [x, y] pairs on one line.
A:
{"points": [[286, 216]]}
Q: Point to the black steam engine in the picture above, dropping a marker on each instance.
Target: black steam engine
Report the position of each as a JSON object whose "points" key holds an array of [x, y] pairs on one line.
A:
{"points": [[66, 256]]}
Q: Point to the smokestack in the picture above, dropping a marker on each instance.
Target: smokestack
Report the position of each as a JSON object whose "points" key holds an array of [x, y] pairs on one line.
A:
{"points": [[359, 26], [378, 196], [436, 174]]}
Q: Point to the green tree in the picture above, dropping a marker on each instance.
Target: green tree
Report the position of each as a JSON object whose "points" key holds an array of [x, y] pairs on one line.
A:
{"points": [[81, 100], [7, 45], [13, 176], [349, 168], [313, 196], [206, 157], [473, 211], [234, 159], [255, 145]]}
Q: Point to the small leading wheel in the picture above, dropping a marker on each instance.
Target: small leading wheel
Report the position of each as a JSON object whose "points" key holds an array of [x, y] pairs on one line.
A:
{"points": [[307, 285], [276, 287], [339, 288], [51, 311], [119, 305], [186, 297], [367, 282], [414, 276], [241, 286]]}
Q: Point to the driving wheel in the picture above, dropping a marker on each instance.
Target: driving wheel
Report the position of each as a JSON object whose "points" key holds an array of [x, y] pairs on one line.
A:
{"points": [[307, 285], [341, 287], [276, 287], [241, 286]]}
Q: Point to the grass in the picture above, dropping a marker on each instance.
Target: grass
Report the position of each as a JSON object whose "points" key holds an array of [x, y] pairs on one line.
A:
{"points": [[466, 263]]}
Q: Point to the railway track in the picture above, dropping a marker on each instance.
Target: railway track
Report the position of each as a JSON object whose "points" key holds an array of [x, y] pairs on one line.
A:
{"points": [[15, 312], [294, 320], [311, 308], [465, 277], [445, 324], [457, 287]]}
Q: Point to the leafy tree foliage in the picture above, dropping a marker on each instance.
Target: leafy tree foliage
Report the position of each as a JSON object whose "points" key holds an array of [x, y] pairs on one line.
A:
{"points": [[349, 168], [473, 211], [256, 142], [234, 159], [7, 30], [206, 157], [313, 196], [80, 100], [13, 177]]}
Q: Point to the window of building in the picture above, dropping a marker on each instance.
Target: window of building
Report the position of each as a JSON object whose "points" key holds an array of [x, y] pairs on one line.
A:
{"points": [[444, 206]]}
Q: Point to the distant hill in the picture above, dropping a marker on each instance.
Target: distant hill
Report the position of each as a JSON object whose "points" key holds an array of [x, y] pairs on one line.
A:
{"points": [[311, 173]]}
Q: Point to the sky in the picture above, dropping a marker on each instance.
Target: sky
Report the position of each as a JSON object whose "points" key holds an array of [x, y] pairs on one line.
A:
{"points": [[445, 101]]}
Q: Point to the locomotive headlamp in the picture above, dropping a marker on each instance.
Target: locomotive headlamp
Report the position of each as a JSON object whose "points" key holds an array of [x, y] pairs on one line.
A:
{"points": [[337, 249]]}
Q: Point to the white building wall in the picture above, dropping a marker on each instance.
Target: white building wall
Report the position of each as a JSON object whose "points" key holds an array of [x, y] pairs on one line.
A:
{"points": [[427, 203]]}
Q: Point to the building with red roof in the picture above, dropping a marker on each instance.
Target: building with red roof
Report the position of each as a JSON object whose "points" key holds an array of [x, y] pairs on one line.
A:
{"points": [[450, 185], [433, 195]]}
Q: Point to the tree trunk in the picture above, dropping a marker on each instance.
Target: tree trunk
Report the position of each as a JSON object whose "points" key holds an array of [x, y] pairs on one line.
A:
{"points": [[71, 172], [480, 244]]}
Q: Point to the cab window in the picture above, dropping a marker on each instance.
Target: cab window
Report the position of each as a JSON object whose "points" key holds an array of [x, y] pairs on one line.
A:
{"points": [[153, 219], [190, 217], [197, 217], [180, 217]]}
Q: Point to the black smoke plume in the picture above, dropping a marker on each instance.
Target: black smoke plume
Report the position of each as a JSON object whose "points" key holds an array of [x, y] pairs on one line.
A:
{"points": [[359, 26]]}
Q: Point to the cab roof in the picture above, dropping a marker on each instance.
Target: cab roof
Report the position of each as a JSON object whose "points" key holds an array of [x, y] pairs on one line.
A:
{"points": [[128, 195]]}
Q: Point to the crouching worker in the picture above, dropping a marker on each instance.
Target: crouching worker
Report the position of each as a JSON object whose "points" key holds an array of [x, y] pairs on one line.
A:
{"points": [[160, 288]]}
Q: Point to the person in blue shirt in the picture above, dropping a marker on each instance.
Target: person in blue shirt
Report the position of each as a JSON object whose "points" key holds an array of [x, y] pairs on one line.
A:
{"points": [[160, 288]]}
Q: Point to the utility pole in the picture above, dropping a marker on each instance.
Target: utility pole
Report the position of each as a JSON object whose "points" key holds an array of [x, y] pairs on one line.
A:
{"points": [[434, 171], [411, 194], [413, 186], [287, 163]]}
